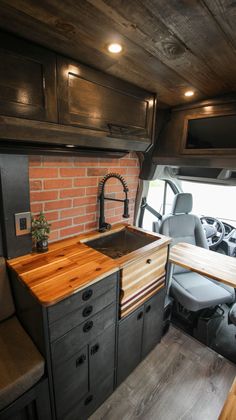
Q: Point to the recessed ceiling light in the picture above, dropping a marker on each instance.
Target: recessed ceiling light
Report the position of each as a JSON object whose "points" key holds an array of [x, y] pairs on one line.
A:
{"points": [[70, 145], [189, 93], [115, 48]]}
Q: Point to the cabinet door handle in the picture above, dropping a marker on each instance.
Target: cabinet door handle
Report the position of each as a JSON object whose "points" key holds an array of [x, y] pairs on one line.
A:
{"points": [[87, 294], [148, 308], [140, 315], [88, 326], [87, 311], [94, 349], [81, 359], [149, 261], [88, 400]]}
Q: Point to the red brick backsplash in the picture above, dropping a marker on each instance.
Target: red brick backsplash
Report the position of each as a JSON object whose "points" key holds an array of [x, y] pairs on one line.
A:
{"points": [[66, 190]]}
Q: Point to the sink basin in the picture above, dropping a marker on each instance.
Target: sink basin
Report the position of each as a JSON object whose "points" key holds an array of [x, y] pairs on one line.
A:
{"points": [[121, 243]]}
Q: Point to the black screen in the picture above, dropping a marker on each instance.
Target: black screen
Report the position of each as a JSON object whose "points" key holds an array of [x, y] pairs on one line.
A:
{"points": [[213, 132]]}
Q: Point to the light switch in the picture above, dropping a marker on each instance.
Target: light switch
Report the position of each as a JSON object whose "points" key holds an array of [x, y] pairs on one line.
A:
{"points": [[23, 223]]}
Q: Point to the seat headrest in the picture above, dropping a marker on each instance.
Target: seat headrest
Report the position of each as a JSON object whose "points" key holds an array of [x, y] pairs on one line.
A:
{"points": [[183, 203]]}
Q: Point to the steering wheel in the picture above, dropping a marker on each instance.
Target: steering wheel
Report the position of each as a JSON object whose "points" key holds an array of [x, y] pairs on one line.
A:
{"points": [[214, 231]]}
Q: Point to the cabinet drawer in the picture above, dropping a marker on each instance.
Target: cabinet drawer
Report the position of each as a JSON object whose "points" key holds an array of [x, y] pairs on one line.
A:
{"points": [[91, 401], [71, 342], [71, 320], [71, 381], [81, 298], [139, 275]]}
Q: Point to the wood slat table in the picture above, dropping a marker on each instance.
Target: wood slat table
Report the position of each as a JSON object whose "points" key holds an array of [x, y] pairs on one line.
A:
{"points": [[203, 261]]}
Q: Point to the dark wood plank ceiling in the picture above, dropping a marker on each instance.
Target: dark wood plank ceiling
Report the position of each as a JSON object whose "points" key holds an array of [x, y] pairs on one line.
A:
{"points": [[170, 46]]}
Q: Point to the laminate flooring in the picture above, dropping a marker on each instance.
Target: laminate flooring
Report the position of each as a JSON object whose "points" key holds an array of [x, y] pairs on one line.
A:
{"points": [[181, 379]]}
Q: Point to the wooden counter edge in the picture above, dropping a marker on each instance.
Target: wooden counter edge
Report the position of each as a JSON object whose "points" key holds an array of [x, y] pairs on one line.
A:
{"points": [[77, 289], [229, 409]]}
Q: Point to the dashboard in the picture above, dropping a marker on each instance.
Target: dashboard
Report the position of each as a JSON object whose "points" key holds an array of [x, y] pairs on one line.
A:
{"points": [[228, 244]]}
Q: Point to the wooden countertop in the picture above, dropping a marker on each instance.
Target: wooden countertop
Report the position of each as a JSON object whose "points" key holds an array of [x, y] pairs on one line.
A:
{"points": [[70, 265], [203, 261]]}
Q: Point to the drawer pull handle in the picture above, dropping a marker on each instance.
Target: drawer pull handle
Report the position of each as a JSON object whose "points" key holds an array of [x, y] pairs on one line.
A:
{"points": [[148, 308], [149, 261], [88, 326], [88, 400], [81, 359], [94, 349], [140, 315], [87, 311], [87, 294]]}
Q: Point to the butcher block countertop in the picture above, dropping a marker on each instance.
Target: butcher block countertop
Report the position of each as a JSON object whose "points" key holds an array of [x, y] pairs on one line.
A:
{"points": [[203, 261], [70, 265]]}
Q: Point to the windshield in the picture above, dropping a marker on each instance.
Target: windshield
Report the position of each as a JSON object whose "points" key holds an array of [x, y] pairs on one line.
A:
{"points": [[213, 200]]}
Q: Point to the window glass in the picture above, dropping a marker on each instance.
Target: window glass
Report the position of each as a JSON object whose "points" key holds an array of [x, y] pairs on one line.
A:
{"points": [[213, 200], [155, 199]]}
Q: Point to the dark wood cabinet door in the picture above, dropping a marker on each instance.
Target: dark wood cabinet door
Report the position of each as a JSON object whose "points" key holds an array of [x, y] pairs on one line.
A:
{"points": [[96, 101], [153, 322], [27, 80], [71, 381], [102, 356], [94, 398], [129, 343]]}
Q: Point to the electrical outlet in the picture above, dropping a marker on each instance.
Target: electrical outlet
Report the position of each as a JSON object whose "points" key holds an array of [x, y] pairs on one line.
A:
{"points": [[23, 223]]}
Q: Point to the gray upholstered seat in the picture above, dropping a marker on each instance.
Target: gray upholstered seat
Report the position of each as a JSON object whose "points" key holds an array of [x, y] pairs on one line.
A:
{"points": [[193, 291], [232, 315], [21, 365]]}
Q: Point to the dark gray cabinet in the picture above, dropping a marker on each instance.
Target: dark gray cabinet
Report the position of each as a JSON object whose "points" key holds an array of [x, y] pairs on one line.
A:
{"points": [[77, 377], [77, 337], [129, 343], [153, 322], [83, 340], [138, 333]]}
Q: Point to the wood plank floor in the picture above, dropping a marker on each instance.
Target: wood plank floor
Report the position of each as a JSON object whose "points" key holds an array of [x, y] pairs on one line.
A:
{"points": [[181, 379]]}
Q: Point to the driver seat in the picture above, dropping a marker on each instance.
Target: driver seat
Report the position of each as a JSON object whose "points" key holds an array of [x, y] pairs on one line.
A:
{"points": [[192, 290]]}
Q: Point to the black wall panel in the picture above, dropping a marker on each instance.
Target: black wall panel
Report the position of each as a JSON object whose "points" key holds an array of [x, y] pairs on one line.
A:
{"points": [[14, 189]]}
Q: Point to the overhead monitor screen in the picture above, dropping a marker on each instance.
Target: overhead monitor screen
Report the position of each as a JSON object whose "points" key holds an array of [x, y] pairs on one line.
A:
{"points": [[212, 133]]}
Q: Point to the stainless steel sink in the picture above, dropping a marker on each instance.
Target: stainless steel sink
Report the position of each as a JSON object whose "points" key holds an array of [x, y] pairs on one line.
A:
{"points": [[117, 244]]}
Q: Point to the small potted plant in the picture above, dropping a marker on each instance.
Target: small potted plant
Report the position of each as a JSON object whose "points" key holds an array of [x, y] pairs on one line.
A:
{"points": [[40, 229]]}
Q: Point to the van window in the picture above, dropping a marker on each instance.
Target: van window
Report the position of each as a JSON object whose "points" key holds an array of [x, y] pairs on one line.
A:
{"points": [[158, 201], [213, 200]]}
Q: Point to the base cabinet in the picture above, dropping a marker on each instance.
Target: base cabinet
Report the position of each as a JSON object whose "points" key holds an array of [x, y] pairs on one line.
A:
{"points": [[138, 334], [87, 351], [83, 342], [77, 378], [153, 322]]}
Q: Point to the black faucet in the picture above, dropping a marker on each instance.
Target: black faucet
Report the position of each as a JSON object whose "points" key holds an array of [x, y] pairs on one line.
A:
{"points": [[103, 226]]}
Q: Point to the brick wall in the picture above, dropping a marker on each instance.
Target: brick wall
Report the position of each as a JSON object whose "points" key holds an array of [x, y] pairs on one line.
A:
{"points": [[66, 189]]}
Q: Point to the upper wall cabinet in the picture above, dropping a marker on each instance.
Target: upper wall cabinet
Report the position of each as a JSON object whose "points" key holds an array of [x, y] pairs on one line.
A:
{"points": [[92, 100], [51, 100], [27, 80], [200, 134]]}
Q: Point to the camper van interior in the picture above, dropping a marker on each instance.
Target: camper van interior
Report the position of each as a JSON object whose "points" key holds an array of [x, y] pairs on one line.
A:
{"points": [[118, 209]]}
